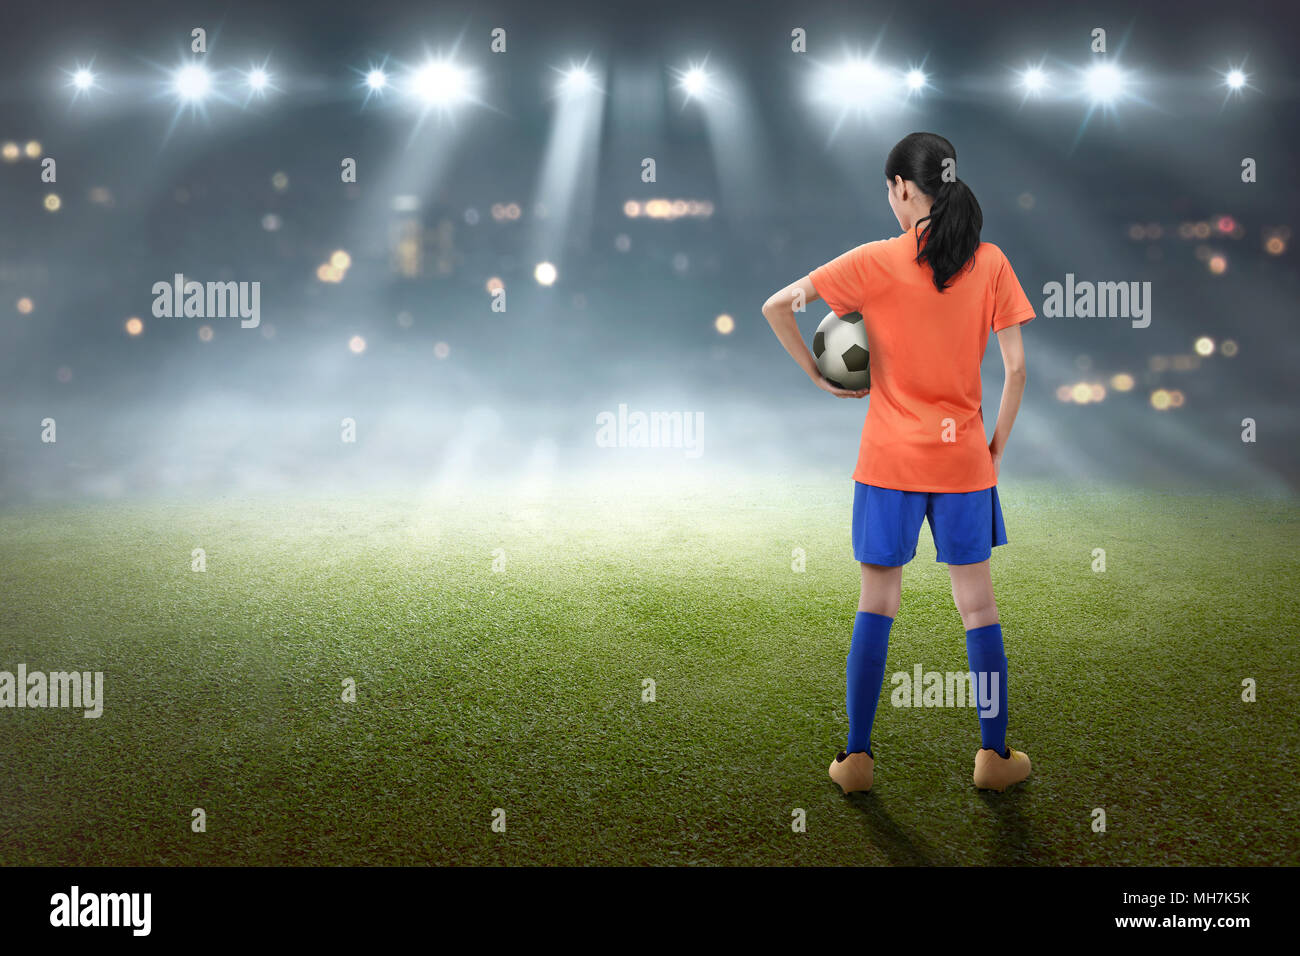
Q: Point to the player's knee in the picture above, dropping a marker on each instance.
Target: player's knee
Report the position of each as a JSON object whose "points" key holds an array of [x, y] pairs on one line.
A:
{"points": [[882, 588], [879, 601], [882, 606], [978, 613]]}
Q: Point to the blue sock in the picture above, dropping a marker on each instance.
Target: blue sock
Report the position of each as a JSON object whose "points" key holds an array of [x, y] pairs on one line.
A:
{"points": [[866, 675], [989, 665]]}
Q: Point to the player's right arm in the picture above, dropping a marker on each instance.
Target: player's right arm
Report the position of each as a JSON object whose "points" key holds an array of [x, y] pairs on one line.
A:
{"points": [[780, 314]]}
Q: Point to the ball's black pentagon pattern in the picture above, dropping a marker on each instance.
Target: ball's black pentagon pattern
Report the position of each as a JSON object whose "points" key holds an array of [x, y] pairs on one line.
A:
{"points": [[841, 351]]}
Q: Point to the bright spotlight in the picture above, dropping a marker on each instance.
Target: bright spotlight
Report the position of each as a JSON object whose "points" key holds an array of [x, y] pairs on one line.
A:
{"points": [[1236, 80], [1105, 83], [577, 80], [1034, 80], [440, 83], [916, 80], [82, 79], [695, 81], [192, 83], [376, 79], [258, 79], [856, 84]]}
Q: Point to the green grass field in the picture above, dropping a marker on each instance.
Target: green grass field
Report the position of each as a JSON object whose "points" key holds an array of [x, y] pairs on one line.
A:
{"points": [[522, 689]]}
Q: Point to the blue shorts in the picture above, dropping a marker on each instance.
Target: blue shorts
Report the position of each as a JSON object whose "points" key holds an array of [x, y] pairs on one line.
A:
{"points": [[966, 526]]}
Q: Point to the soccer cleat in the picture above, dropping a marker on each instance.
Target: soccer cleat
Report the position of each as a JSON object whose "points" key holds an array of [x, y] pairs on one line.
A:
{"points": [[996, 772], [853, 772]]}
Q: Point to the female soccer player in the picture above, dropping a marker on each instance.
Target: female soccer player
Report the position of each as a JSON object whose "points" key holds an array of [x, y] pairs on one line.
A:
{"points": [[928, 298]]}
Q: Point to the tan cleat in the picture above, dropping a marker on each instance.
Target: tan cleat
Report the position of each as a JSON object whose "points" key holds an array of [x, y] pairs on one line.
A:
{"points": [[853, 772], [996, 772]]}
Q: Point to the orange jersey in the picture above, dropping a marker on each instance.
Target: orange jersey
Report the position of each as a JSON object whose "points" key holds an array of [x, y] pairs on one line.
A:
{"points": [[925, 425]]}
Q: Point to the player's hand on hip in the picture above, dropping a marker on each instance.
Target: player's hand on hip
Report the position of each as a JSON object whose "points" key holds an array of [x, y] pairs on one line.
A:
{"points": [[828, 386]]}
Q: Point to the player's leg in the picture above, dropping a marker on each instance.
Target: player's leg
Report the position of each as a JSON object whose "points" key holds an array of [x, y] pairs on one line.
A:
{"points": [[972, 591], [966, 527], [865, 673], [885, 526], [882, 590], [854, 768]]}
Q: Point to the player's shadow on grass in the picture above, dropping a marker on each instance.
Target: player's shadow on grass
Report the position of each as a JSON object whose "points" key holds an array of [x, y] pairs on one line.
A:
{"points": [[1011, 838], [902, 848]]}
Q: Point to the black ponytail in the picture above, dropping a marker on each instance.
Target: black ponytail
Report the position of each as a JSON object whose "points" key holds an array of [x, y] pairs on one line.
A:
{"points": [[951, 232]]}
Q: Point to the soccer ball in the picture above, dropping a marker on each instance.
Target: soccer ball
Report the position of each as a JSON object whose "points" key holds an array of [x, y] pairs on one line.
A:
{"points": [[840, 347]]}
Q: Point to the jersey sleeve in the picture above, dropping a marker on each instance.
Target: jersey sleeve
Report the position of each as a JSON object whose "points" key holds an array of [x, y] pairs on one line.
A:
{"points": [[1010, 304], [842, 282]]}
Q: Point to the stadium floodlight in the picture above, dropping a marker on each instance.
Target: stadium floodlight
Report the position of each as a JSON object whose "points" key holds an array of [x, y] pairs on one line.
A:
{"points": [[1034, 80], [1105, 83], [577, 80], [376, 80], [258, 81], [695, 82], [82, 79], [1236, 80], [440, 83], [192, 83], [856, 83], [916, 80]]}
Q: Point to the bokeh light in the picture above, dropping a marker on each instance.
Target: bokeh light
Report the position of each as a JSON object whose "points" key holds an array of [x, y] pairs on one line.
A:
{"points": [[545, 273]]}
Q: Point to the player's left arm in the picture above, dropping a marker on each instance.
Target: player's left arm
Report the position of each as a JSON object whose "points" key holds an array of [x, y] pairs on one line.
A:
{"points": [[1013, 389], [780, 314]]}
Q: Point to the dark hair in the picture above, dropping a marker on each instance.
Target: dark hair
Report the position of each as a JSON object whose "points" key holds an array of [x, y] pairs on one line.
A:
{"points": [[952, 230]]}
